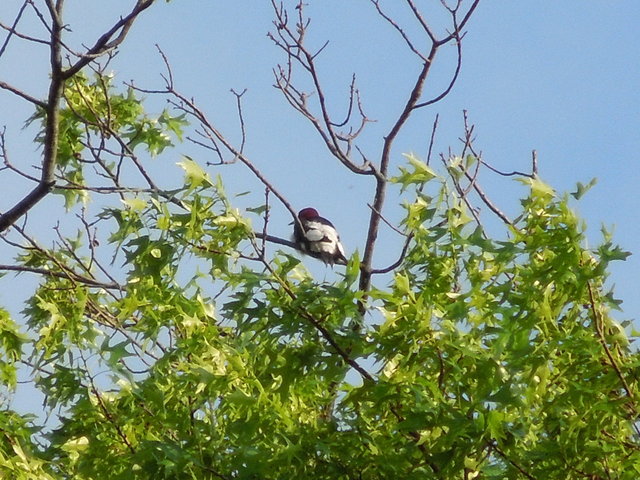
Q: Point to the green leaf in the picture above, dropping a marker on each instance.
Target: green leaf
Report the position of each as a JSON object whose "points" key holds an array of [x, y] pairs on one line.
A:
{"points": [[581, 189], [420, 173], [137, 204], [195, 176]]}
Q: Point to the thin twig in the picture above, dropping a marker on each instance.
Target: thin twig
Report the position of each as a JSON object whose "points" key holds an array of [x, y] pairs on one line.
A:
{"points": [[106, 41], [506, 174], [453, 80], [432, 138], [51, 135], [291, 41], [266, 222], [12, 29], [189, 107], [397, 263], [65, 274], [598, 323], [105, 411], [389, 224], [400, 30], [512, 462], [240, 117], [421, 20], [483, 196], [468, 145]]}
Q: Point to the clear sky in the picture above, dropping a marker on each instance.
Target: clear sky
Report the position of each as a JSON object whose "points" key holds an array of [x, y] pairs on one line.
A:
{"points": [[560, 77]]}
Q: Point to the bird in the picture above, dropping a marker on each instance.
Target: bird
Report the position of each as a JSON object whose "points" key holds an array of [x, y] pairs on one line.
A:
{"points": [[317, 237]]}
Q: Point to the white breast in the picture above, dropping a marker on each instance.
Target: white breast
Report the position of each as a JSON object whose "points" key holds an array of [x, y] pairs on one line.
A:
{"points": [[323, 238]]}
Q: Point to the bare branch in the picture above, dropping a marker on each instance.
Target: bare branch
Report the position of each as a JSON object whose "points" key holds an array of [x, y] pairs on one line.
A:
{"points": [[265, 224], [381, 183], [389, 224], [240, 117], [468, 146], [23, 36], [432, 138], [398, 262], [454, 78], [483, 196], [4, 154], [506, 174], [291, 41], [12, 29], [278, 240], [189, 107], [197, 113], [65, 274], [106, 42], [462, 23], [21, 94], [421, 20], [394, 24], [51, 130], [352, 93]]}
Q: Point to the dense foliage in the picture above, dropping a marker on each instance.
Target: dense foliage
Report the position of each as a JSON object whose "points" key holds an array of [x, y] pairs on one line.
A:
{"points": [[208, 359]]}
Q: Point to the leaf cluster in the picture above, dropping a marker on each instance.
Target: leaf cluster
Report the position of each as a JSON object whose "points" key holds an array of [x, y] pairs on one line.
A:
{"points": [[485, 357]]}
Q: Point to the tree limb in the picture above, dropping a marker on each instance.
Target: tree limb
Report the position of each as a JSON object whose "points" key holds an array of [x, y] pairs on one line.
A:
{"points": [[54, 97]]}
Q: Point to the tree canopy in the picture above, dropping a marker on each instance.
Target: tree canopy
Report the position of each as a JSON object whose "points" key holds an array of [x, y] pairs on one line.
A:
{"points": [[174, 336]]}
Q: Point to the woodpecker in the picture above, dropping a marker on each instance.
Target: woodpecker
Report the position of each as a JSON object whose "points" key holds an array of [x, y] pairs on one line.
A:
{"points": [[318, 237]]}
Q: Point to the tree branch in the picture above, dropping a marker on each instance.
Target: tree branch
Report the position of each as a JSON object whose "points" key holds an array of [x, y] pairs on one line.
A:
{"points": [[52, 109], [20, 93], [12, 29], [106, 41], [66, 274], [291, 41], [56, 88], [381, 182]]}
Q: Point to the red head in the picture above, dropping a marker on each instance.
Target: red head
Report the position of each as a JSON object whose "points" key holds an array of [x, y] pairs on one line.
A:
{"points": [[308, 213]]}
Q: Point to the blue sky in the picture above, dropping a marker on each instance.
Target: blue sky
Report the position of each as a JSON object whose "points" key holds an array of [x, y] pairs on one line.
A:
{"points": [[558, 77]]}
